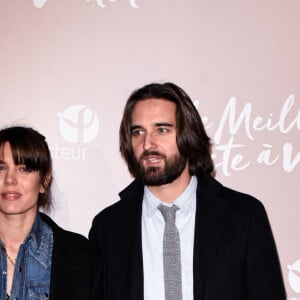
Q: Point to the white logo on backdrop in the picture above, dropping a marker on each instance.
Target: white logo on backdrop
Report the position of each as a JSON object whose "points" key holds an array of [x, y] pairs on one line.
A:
{"points": [[78, 124], [41, 3], [233, 155], [294, 276]]}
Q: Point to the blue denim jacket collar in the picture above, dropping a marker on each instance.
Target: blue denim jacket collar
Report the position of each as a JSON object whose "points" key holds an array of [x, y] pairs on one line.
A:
{"points": [[40, 241]]}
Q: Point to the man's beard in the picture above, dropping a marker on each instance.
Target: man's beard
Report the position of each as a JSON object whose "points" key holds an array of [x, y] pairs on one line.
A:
{"points": [[155, 176]]}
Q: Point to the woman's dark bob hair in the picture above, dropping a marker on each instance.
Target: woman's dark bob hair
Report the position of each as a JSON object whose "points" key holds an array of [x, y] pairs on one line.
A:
{"points": [[192, 140], [30, 148]]}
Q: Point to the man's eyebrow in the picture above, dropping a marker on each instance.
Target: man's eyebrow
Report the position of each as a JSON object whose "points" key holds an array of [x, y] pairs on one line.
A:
{"points": [[158, 124], [133, 127], [166, 124]]}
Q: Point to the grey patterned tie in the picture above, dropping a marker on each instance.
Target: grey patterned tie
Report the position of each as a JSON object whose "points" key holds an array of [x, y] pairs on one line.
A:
{"points": [[171, 254]]}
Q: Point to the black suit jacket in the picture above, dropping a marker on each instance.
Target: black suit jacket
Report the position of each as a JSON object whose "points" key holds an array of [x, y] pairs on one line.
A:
{"points": [[73, 265], [235, 257]]}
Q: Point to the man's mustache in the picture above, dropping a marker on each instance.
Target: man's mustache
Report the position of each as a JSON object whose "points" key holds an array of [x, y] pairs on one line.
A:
{"points": [[147, 153]]}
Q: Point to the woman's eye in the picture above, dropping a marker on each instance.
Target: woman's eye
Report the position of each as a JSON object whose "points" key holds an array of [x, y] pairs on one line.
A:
{"points": [[25, 169]]}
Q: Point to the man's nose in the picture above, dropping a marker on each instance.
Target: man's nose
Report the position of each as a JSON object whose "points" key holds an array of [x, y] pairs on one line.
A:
{"points": [[149, 141]]}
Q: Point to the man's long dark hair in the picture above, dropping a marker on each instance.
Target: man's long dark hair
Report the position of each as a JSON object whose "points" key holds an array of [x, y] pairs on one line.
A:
{"points": [[192, 140]]}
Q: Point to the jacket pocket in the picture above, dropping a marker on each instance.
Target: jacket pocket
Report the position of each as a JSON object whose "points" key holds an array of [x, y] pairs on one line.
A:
{"points": [[38, 290]]}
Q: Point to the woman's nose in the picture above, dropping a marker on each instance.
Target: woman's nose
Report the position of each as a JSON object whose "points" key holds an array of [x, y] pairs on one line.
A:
{"points": [[10, 177]]}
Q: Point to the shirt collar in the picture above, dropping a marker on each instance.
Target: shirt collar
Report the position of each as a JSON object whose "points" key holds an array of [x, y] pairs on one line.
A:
{"points": [[186, 201], [36, 232]]}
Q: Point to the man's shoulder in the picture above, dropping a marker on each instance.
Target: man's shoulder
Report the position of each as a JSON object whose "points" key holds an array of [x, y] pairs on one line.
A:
{"points": [[241, 200], [226, 195], [130, 197]]}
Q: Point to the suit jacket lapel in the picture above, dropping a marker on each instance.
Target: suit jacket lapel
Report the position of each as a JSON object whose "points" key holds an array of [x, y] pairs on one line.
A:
{"points": [[137, 281], [63, 279], [132, 239], [208, 230], [64, 271]]}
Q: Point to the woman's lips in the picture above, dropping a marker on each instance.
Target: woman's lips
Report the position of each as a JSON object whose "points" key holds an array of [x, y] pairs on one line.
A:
{"points": [[10, 195]]}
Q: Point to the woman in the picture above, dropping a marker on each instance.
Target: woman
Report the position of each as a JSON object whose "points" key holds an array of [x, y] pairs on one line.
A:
{"points": [[38, 259]]}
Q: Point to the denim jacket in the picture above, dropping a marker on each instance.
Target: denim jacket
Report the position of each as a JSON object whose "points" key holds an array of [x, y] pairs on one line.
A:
{"points": [[31, 280]]}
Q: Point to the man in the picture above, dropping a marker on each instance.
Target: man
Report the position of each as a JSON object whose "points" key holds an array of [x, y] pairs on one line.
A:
{"points": [[213, 243]]}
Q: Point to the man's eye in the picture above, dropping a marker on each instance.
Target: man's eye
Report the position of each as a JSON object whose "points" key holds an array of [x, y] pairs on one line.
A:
{"points": [[137, 132], [162, 130]]}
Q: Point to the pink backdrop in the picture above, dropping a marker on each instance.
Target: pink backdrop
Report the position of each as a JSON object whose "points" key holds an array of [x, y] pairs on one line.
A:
{"points": [[67, 68]]}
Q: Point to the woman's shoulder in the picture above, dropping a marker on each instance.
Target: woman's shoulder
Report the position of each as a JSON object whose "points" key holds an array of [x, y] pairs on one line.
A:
{"points": [[62, 234]]}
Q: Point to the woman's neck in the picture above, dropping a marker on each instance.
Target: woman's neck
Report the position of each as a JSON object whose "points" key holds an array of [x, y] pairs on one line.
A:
{"points": [[14, 229]]}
